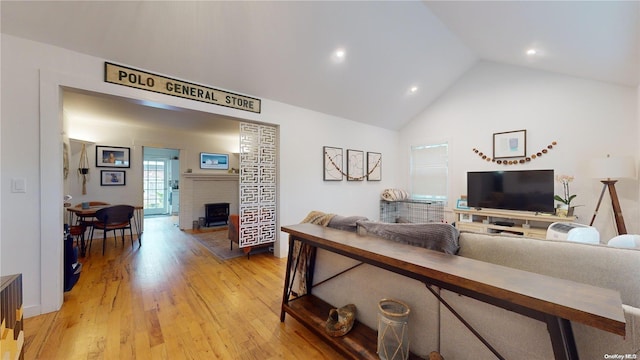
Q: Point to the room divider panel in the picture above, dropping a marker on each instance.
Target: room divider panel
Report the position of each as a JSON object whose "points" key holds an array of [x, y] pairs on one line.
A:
{"points": [[258, 176]]}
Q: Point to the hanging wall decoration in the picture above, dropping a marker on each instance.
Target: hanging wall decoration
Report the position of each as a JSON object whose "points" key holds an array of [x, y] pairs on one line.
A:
{"points": [[65, 159], [83, 168], [113, 178], [355, 163], [112, 156], [523, 160], [374, 166], [510, 144], [332, 163]]}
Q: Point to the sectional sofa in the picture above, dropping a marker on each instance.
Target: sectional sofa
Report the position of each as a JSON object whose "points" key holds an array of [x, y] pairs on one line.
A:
{"points": [[434, 328]]}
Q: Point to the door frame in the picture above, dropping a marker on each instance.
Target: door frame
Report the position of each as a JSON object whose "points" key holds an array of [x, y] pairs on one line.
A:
{"points": [[51, 184], [165, 155]]}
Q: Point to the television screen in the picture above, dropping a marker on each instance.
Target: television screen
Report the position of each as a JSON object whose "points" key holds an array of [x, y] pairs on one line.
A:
{"points": [[214, 161], [525, 190]]}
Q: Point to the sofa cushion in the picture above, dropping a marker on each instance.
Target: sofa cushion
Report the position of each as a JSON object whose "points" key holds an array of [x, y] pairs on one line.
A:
{"points": [[434, 236], [597, 265]]}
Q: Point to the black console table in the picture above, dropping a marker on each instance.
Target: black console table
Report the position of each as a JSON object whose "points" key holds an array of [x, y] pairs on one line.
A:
{"points": [[216, 213]]}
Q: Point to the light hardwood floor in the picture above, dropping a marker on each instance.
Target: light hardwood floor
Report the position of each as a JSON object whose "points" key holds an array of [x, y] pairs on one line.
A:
{"points": [[172, 299]]}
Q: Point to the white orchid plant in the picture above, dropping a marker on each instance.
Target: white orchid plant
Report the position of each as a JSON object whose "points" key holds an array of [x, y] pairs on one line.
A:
{"points": [[567, 197]]}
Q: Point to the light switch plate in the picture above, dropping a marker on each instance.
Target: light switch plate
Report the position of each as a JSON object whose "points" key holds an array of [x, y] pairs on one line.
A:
{"points": [[18, 185]]}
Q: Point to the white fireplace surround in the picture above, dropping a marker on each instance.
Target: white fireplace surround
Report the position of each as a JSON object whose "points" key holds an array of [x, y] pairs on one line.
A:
{"points": [[199, 189]]}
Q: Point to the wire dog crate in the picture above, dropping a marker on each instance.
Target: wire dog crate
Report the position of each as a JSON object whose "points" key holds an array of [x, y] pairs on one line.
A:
{"points": [[414, 211]]}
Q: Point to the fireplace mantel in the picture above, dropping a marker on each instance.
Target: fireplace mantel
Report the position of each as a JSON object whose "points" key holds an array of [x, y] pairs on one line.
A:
{"points": [[200, 176], [197, 189]]}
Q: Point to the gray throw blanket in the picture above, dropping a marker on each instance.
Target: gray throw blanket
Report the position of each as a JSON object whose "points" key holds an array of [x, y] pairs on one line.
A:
{"points": [[346, 223], [434, 236]]}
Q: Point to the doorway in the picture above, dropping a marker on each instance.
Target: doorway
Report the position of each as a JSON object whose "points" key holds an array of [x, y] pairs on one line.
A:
{"points": [[52, 121], [161, 181]]}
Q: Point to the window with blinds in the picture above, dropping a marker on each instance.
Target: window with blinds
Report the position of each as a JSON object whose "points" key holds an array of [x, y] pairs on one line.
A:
{"points": [[429, 172]]}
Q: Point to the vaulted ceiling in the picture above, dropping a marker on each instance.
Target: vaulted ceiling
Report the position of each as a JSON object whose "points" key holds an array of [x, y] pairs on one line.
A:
{"points": [[285, 51]]}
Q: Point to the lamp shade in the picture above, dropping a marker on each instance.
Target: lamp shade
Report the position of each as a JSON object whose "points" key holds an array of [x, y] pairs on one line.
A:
{"points": [[613, 168]]}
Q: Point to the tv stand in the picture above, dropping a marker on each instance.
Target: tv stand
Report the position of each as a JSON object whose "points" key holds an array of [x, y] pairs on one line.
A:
{"points": [[495, 221]]}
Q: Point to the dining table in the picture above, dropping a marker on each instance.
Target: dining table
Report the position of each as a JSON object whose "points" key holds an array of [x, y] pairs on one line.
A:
{"points": [[78, 214]]}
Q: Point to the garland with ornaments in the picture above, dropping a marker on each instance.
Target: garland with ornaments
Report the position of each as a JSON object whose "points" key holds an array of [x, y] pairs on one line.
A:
{"points": [[517, 161]]}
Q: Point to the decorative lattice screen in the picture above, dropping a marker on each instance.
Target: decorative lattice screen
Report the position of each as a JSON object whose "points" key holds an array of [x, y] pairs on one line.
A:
{"points": [[258, 153]]}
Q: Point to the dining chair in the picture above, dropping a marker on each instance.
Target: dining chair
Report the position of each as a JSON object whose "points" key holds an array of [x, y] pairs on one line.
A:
{"points": [[116, 217], [87, 221]]}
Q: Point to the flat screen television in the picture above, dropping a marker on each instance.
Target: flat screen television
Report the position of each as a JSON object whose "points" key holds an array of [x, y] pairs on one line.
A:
{"points": [[525, 190]]}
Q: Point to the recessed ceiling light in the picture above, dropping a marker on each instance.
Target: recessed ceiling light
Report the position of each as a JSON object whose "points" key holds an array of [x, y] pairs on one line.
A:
{"points": [[532, 52], [339, 55], [413, 89]]}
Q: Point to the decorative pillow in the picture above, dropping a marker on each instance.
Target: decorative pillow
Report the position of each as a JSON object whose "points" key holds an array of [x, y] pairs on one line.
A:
{"points": [[434, 236]]}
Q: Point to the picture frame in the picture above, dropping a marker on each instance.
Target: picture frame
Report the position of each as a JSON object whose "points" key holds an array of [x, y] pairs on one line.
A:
{"points": [[465, 218], [214, 161], [113, 178], [462, 204], [374, 166], [332, 163], [510, 144], [355, 165], [113, 156]]}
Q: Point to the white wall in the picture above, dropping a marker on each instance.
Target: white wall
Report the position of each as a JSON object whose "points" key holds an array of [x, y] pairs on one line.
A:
{"points": [[587, 118], [31, 130]]}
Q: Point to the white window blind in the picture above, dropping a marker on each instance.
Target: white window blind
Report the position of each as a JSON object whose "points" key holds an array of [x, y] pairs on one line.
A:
{"points": [[429, 172]]}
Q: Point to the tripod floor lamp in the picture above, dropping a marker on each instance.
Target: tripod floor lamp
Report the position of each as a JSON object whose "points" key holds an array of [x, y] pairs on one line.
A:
{"points": [[609, 170]]}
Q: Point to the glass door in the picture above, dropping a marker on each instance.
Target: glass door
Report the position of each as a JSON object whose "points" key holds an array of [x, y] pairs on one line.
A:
{"points": [[155, 183]]}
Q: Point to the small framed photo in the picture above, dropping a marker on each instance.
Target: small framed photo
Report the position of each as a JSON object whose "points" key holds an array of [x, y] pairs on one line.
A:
{"points": [[374, 166], [466, 218], [214, 161], [462, 204], [113, 177], [112, 156], [510, 144]]}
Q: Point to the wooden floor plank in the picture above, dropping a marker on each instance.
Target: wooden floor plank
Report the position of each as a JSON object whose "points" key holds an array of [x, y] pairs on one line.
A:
{"points": [[172, 299]]}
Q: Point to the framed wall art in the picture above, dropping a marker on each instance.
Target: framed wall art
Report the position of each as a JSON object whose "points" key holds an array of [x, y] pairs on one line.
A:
{"points": [[462, 204], [112, 156], [355, 165], [332, 163], [113, 178], [374, 166], [214, 161], [466, 218], [510, 144]]}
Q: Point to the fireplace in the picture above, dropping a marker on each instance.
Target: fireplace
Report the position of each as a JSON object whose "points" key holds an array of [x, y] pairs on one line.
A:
{"points": [[216, 213]]}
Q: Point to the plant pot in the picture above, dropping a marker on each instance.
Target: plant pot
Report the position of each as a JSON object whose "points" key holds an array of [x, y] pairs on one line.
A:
{"points": [[564, 210]]}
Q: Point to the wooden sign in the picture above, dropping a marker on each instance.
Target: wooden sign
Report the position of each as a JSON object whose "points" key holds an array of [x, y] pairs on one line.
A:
{"points": [[121, 75]]}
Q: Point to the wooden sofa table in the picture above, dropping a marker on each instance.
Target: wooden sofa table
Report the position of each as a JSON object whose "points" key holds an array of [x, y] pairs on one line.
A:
{"points": [[554, 301]]}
